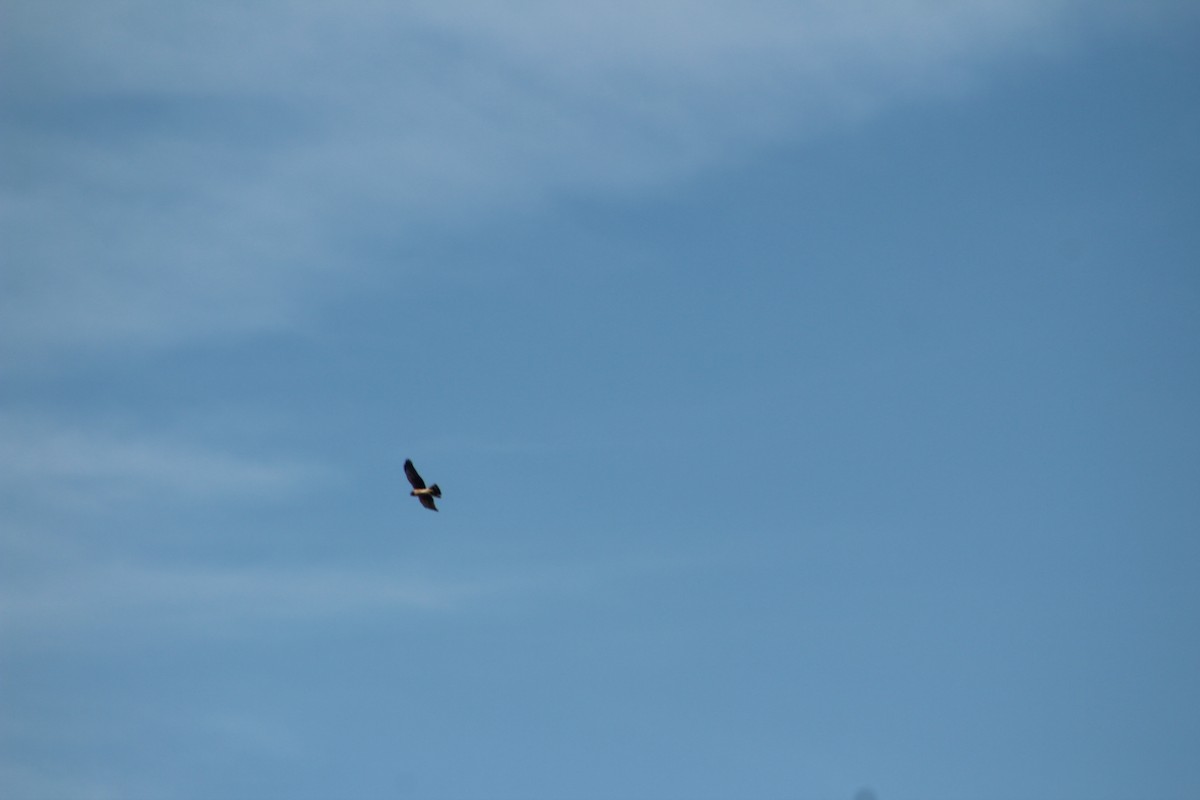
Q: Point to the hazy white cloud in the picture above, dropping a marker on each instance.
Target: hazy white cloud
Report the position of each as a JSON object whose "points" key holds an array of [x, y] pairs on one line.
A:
{"points": [[196, 169], [59, 607], [67, 463], [31, 783], [209, 601], [56, 606]]}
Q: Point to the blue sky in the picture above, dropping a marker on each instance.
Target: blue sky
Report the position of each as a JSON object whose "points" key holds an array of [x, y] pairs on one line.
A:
{"points": [[812, 385]]}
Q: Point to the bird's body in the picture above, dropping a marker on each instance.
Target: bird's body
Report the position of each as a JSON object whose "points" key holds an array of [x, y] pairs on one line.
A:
{"points": [[420, 491]]}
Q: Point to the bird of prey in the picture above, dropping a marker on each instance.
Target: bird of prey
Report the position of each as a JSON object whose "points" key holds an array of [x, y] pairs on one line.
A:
{"points": [[419, 491]]}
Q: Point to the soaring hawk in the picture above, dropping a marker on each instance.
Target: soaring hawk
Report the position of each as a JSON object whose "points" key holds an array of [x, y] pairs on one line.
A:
{"points": [[419, 491]]}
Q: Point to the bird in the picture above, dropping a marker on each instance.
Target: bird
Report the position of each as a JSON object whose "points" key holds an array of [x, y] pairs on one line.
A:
{"points": [[419, 491]]}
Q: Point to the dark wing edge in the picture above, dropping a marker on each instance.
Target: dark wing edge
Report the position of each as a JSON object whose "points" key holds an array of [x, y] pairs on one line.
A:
{"points": [[427, 501], [410, 472]]}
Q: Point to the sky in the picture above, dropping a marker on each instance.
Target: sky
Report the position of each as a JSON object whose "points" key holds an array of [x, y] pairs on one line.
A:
{"points": [[812, 386]]}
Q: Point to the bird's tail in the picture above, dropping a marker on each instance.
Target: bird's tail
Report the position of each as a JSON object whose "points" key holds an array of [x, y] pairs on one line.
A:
{"points": [[435, 491]]}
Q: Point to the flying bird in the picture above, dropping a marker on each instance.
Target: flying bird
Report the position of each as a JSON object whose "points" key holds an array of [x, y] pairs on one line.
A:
{"points": [[419, 491]]}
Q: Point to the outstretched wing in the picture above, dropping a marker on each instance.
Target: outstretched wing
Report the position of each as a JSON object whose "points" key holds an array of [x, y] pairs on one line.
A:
{"points": [[411, 473], [427, 501]]}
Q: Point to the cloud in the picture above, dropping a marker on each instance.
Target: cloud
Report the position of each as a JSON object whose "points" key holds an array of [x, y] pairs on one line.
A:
{"points": [[32, 783], [63, 606], [217, 601], [63, 463], [64, 602], [194, 170]]}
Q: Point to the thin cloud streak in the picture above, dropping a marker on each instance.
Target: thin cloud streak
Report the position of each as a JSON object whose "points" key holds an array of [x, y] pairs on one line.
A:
{"points": [[55, 607], [165, 194], [211, 601], [22, 780], [44, 459]]}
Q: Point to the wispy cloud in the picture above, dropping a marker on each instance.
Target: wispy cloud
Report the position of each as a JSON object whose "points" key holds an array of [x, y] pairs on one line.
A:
{"points": [[56, 607], [64, 463], [211, 601], [193, 170], [22, 780]]}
